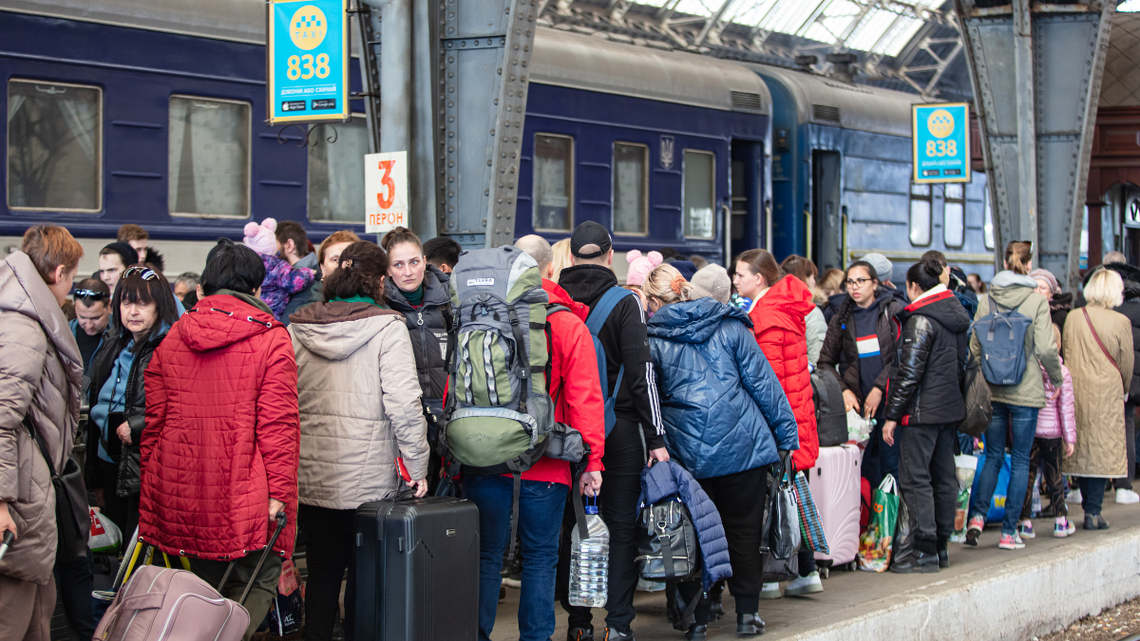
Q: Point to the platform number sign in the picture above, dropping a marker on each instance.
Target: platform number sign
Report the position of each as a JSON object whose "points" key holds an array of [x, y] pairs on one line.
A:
{"points": [[307, 61], [941, 137], [385, 191]]}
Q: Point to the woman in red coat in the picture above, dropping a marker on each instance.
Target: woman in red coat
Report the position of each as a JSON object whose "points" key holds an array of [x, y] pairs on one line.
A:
{"points": [[779, 309]]}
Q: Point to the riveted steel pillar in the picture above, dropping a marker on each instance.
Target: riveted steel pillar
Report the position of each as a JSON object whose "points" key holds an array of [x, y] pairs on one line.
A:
{"points": [[1058, 79]]}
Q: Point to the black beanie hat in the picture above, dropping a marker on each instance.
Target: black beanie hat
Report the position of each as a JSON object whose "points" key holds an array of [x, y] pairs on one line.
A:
{"points": [[128, 253]]}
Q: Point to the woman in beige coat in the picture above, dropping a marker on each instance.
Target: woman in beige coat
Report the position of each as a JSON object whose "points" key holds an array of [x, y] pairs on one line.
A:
{"points": [[359, 400], [1098, 348], [40, 379]]}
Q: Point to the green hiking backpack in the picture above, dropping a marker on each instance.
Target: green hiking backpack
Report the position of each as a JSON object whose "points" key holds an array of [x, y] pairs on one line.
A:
{"points": [[499, 413]]}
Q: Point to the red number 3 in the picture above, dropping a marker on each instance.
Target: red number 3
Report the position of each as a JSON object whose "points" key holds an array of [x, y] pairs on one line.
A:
{"points": [[386, 181]]}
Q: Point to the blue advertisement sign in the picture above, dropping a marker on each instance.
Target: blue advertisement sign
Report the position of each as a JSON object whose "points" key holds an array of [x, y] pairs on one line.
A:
{"points": [[941, 138], [307, 61]]}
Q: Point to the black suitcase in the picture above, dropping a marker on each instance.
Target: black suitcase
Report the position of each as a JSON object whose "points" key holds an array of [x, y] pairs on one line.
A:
{"points": [[417, 570]]}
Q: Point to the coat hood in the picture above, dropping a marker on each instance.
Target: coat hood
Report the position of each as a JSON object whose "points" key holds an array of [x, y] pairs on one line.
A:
{"points": [[943, 307], [558, 296], [336, 330], [224, 319], [308, 261], [785, 305], [693, 321], [587, 282], [23, 290], [437, 290], [1010, 289], [1130, 274]]}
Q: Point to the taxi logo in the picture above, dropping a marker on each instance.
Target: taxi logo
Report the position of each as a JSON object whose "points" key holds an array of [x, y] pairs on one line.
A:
{"points": [[308, 27], [940, 123]]}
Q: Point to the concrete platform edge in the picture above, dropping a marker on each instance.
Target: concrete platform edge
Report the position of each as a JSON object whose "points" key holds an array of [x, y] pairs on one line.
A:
{"points": [[1025, 598]]}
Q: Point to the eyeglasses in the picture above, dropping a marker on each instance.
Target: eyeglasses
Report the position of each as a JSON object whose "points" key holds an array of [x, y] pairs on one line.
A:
{"points": [[84, 294], [857, 282], [145, 273]]}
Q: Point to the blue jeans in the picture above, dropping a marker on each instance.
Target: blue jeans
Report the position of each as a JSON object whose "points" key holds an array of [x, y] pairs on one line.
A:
{"points": [[540, 522], [1022, 423]]}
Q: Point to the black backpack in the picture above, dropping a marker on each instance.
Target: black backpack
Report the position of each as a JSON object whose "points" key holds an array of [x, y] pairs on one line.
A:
{"points": [[830, 415]]}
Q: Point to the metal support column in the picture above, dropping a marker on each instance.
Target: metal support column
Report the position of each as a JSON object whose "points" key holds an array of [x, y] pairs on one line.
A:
{"points": [[1024, 224]]}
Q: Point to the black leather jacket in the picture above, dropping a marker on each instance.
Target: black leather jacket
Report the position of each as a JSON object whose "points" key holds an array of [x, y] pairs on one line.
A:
{"points": [[926, 381]]}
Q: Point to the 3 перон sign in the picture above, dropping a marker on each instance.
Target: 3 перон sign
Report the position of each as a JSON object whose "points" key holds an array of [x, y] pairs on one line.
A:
{"points": [[941, 139], [385, 191], [307, 61]]}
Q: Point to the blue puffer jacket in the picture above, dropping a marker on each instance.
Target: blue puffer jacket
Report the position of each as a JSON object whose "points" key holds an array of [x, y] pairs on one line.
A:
{"points": [[666, 479], [723, 407]]}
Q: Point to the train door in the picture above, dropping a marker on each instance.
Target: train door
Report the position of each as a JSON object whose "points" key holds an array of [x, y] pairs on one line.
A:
{"points": [[747, 187], [826, 224]]}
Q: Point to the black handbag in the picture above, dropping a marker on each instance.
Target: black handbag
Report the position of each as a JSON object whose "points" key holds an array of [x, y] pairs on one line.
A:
{"points": [[668, 549], [979, 408], [73, 520], [780, 536]]}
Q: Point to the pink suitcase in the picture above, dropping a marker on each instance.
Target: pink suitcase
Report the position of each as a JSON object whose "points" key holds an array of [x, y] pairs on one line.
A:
{"points": [[161, 604], [835, 487]]}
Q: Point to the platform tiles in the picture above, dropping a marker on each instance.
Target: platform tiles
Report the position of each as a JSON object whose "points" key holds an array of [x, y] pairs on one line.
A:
{"points": [[988, 593]]}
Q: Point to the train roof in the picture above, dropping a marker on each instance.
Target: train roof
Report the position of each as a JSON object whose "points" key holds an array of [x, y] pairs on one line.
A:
{"points": [[826, 101], [560, 58]]}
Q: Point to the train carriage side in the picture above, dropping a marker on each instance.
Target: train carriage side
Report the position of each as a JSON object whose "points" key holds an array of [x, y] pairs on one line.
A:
{"points": [[665, 149], [841, 180]]}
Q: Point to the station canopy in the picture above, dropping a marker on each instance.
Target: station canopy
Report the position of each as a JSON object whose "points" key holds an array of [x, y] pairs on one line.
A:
{"points": [[881, 27]]}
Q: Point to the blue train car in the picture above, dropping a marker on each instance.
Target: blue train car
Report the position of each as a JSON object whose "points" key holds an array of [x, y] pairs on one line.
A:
{"points": [[841, 180]]}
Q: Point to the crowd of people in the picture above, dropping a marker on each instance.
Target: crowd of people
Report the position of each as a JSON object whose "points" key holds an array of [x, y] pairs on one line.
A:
{"points": [[286, 378]]}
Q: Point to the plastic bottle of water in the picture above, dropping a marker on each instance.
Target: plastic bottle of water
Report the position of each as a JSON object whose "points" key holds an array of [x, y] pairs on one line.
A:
{"points": [[590, 562]]}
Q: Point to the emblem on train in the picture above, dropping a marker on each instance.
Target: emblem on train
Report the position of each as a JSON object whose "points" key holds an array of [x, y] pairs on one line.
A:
{"points": [[940, 123], [666, 152], [308, 27]]}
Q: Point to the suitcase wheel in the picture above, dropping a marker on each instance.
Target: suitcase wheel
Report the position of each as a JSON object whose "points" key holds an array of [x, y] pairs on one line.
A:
{"points": [[824, 572]]}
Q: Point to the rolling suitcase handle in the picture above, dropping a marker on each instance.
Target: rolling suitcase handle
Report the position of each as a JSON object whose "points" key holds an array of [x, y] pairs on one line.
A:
{"points": [[281, 519]]}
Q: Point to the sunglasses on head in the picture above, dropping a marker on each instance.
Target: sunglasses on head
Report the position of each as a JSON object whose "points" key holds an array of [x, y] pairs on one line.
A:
{"points": [[87, 294], [145, 273]]}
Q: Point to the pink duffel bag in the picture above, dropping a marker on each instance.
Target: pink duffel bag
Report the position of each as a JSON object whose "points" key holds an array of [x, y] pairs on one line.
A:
{"points": [[162, 604]]}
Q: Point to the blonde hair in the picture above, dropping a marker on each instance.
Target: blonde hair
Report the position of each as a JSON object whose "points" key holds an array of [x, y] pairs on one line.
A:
{"points": [[561, 250], [1018, 253], [1105, 289], [667, 285]]}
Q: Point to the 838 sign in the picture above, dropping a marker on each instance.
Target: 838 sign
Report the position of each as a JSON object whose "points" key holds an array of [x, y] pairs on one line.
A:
{"points": [[308, 61], [941, 137]]}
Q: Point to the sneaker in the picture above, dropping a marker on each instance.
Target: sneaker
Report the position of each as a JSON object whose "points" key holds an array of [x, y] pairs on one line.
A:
{"points": [[1061, 531], [1010, 542], [770, 591], [1125, 497], [974, 530], [1073, 497], [1025, 530], [614, 635], [580, 634], [919, 562], [512, 582], [804, 585]]}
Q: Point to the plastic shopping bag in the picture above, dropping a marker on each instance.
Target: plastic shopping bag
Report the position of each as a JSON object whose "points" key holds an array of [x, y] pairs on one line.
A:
{"points": [[875, 542], [105, 535], [959, 535], [997, 504], [858, 428], [811, 529], [288, 609], [902, 547]]}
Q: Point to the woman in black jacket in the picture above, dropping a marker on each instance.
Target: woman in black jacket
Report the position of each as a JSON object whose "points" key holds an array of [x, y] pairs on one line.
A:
{"points": [[144, 310], [860, 342], [926, 400]]}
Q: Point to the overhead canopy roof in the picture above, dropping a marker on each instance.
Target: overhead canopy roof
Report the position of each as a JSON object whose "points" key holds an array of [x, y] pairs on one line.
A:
{"points": [[877, 26]]}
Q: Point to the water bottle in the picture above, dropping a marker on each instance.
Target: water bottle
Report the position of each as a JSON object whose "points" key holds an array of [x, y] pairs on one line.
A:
{"points": [[590, 562]]}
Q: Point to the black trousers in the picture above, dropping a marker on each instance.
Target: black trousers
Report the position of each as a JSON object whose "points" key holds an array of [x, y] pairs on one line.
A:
{"points": [[1129, 446], [122, 510], [927, 478], [331, 549], [73, 578], [740, 500], [624, 459], [1046, 455]]}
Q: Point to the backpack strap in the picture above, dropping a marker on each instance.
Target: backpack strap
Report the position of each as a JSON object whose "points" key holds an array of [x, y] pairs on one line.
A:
{"points": [[598, 317]]}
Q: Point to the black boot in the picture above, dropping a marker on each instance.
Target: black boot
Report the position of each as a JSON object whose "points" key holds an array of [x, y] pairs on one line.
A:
{"points": [[943, 552], [749, 625], [924, 560], [697, 633], [580, 634], [716, 603]]}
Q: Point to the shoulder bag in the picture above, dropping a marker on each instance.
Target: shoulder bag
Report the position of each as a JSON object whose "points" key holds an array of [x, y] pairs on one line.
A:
{"points": [[1092, 329], [73, 520]]}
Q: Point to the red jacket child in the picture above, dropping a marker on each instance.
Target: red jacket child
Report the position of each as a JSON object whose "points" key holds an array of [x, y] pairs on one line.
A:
{"points": [[222, 432]]}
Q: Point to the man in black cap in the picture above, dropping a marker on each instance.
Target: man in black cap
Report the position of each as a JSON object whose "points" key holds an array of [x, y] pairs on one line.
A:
{"points": [[623, 337], [113, 259]]}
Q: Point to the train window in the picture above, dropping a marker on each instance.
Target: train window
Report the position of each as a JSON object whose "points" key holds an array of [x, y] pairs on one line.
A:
{"points": [[920, 215], [954, 215], [336, 173], [631, 188], [55, 146], [700, 197], [553, 182], [988, 222], [209, 158]]}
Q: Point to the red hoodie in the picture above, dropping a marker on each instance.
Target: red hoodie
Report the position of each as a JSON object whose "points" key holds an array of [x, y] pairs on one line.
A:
{"points": [[780, 327], [573, 385]]}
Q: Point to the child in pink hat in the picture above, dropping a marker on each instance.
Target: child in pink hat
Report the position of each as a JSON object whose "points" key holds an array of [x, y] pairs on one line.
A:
{"points": [[282, 281], [640, 265]]}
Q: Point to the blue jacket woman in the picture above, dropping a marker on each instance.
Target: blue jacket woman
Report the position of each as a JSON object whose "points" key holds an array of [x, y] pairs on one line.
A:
{"points": [[726, 419]]}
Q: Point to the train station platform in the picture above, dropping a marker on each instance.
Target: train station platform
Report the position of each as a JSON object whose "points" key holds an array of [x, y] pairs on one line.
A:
{"points": [[988, 593]]}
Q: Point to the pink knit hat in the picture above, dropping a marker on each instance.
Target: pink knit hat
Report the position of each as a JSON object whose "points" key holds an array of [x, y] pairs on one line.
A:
{"points": [[260, 238], [640, 266]]}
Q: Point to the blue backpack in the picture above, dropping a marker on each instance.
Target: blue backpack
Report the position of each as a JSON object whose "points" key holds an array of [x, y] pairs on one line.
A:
{"points": [[1002, 337], [594, 322]]}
